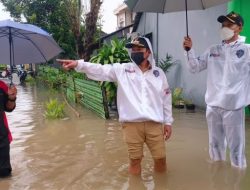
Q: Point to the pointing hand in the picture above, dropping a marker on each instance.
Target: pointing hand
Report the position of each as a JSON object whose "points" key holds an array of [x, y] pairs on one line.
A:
{"points": [[67, 64]]}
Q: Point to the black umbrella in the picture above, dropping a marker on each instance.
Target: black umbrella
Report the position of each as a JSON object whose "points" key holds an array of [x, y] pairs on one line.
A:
{"points": [[167, 6]]}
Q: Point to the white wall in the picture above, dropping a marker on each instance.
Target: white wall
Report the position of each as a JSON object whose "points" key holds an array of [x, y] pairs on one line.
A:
{"points": [[204, 30]]}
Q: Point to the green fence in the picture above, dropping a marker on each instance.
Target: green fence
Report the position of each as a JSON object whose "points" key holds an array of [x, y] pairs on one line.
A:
{"points": [[88, 93], [70, 89]]}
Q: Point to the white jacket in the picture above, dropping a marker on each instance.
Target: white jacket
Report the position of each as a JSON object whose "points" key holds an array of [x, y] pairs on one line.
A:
{"points": [[140, 96], [228, 74]]}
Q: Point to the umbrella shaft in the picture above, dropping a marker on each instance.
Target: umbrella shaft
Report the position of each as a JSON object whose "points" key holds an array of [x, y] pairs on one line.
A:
{"points": [[11, 53], [186, 17], [186, 6], [10, 46]]}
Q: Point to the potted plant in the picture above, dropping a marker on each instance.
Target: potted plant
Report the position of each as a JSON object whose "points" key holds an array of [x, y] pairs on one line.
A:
{"points": [[190, 106], [177, 99]]}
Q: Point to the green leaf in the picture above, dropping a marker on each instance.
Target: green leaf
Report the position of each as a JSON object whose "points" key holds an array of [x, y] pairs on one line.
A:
{"points": [[54, 109], [111, 58]]}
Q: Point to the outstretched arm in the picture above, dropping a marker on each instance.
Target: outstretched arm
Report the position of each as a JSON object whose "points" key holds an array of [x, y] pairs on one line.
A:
{"points": [[94, 71]]}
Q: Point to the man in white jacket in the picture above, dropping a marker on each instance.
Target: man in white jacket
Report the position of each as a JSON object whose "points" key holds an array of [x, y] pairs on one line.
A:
{"points": [[143, 101], [228, 79]]}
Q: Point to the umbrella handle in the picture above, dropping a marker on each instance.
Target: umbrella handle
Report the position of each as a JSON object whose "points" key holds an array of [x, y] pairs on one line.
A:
{"points": [[11, 81], [187, 48]]}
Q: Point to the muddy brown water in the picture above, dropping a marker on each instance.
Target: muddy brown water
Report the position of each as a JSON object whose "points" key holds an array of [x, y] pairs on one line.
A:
{"points": [[88, 153]]}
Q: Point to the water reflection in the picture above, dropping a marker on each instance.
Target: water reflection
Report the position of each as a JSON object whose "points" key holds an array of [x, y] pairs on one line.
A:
{"points": [[89, 153], [224, 177]]}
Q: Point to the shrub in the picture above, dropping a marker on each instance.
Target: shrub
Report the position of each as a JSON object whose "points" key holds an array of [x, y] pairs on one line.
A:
{"points": [[54, 109], [115, 52], [166, 63]]}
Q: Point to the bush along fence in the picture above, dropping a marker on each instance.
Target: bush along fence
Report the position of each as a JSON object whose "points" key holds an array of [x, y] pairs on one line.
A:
{"points": [[54, 77], [90, 94]]}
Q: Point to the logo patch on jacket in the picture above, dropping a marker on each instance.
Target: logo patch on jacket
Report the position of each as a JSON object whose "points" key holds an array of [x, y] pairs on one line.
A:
{"points": [[129, 71], [240, 53], [214, 55], [156, 73]]}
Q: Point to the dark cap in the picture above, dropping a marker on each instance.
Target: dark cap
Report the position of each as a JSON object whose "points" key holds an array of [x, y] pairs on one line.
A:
{"points": [[139, 42], [231, 17]]}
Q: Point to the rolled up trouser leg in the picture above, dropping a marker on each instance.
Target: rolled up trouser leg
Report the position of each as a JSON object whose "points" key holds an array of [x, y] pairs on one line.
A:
{"points": [[5, 166], [234, 122], [217, 138]]}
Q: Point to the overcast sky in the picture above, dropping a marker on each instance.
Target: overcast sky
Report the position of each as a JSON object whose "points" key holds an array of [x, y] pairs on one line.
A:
{"points": [[3, 14], [107, 10], [109, 19]]}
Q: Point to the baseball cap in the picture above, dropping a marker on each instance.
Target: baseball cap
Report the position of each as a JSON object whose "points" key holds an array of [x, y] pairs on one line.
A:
{"points": [[139, 42], [232, 17]]}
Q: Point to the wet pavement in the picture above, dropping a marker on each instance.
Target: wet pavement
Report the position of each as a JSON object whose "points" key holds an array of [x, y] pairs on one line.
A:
{"points": [[88, 153]]}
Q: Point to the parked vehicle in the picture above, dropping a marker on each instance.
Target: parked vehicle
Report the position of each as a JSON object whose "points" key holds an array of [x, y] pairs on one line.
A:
{"points": [[22, 74], [5, 73], [18, 72]]}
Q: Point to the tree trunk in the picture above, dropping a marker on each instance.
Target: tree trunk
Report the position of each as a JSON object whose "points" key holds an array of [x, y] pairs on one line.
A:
{"points": [[91, 28]]}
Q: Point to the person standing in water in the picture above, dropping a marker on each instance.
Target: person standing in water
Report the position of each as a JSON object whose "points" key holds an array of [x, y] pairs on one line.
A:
{"points": [[143, 101], [228, 89]]}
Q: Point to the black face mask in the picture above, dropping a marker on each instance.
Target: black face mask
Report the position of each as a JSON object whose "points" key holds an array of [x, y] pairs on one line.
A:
{"points": [[137, 57]]}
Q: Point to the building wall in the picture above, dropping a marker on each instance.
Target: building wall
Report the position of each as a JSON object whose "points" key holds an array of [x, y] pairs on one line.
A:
{"points": [[128, 19], [124, 16], [121, 19], [203, 29]]}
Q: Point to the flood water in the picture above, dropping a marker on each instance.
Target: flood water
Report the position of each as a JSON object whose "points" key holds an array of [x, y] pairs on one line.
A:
{"points": [[88, 153]]}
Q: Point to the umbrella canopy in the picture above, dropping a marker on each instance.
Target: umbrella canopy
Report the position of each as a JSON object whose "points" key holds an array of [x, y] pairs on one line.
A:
{"points": [[25, 43], [166, 6]]}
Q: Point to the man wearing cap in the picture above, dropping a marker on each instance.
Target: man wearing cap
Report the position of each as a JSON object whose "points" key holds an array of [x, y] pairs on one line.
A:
{"points": [[143, 101], [228, 76]]}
